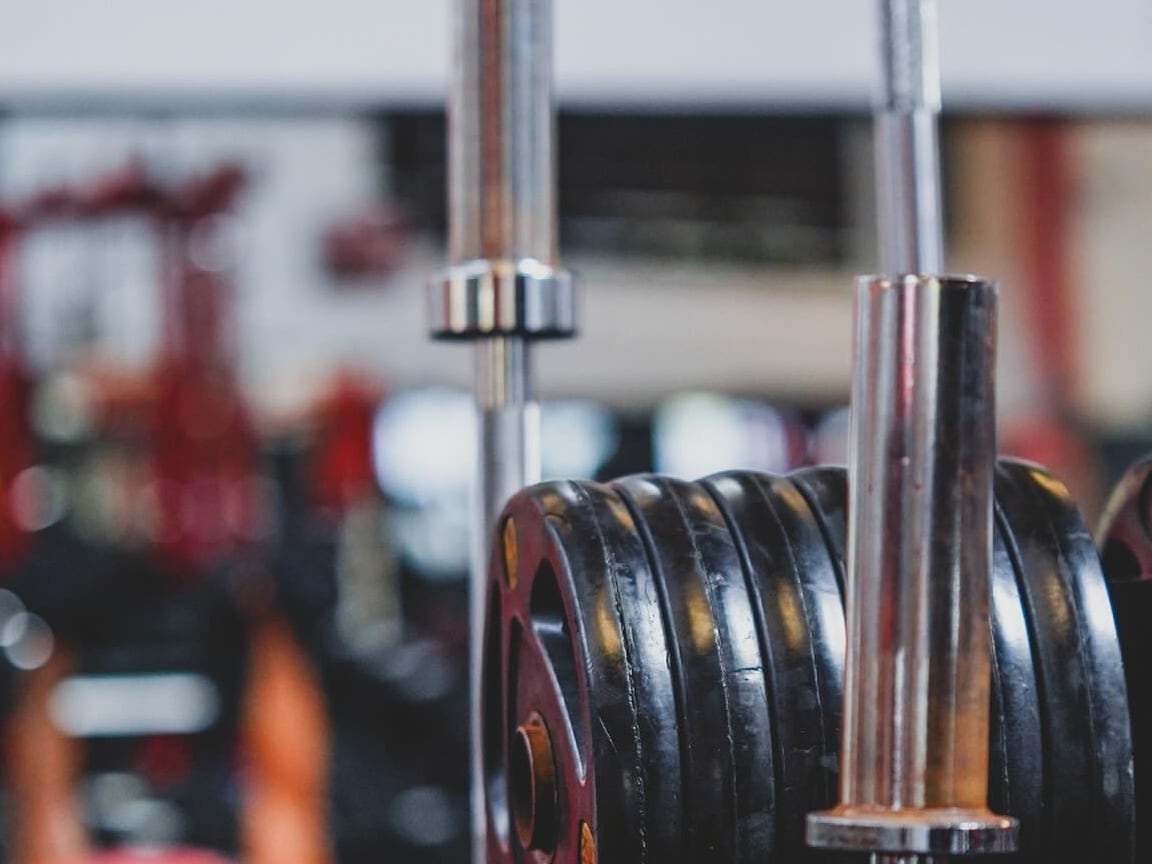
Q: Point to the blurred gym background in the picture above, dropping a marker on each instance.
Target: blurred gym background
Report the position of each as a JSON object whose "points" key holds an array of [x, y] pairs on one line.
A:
{"points": [[234, 473]]}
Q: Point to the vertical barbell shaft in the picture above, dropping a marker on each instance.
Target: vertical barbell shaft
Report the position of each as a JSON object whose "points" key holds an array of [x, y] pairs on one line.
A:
{"points": [[914, 758], [509, 431], [501, 153], [502, 209], [508, 453], [502, 288], [501, 202], [907, 150]]}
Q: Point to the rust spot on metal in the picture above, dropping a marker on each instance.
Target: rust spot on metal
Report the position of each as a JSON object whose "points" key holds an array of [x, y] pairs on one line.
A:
{"points": [[532, 780], [587, 844], [508, 542]]}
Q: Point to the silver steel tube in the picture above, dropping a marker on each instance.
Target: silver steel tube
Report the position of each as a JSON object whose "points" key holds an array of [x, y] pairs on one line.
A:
{"points": [[908, 195], [508, 449], [501, 210], [501, 159], [509, 432], [914, 759], [919, 548]]}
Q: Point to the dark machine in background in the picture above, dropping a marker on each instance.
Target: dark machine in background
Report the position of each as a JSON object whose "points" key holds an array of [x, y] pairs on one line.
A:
{"points": [[737, 187]]}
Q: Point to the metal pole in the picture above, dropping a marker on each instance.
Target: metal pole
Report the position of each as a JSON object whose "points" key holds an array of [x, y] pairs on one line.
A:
{"points": [[914, 757], [502, 188], [509, 445], [503, 289], [911, 225]]}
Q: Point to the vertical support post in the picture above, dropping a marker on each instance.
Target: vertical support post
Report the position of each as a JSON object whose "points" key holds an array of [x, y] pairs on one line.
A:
{"points": [[503, 289], [914, 758]]}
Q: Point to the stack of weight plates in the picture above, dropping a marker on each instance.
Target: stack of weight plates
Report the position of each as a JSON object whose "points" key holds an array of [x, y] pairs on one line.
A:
{"points": [[664, 663]]}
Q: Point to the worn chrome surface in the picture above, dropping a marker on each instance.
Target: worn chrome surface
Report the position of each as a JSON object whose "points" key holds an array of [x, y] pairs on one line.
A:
{"points": [[916, 700], [502, 286], [502, 194], [911, 836], [502, 298], [509, 429], [911, 228]]}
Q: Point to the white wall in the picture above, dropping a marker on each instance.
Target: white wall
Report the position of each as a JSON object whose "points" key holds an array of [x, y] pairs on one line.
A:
{"points": [[647, 329], [995, 52]]}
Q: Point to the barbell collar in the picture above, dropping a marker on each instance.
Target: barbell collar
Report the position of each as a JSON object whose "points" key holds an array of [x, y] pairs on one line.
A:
{"points": [[522, 298], [915, 832]]}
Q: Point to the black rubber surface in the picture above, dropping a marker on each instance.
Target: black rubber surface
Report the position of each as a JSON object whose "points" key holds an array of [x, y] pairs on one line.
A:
{"points": [[561, 651], [825, 488], [800, 620], [651, 678], [1088, 784], [1016, 744], [1125, 541], [725, 731], [688, 642]]}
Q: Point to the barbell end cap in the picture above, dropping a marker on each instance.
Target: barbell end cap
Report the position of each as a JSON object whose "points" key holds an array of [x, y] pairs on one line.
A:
{"points": [[488, 298], [931, 831]]}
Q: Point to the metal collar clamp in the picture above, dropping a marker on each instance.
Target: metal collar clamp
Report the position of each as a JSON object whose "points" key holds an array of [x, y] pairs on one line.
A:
{"points": [[944, 832], [484, 298]]}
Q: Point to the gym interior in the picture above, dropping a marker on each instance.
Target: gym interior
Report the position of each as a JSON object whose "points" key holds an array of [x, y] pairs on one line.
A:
{"points": [[326, 329]]}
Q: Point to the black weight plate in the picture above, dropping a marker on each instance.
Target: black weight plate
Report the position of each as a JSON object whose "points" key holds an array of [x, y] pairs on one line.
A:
{"points": [[800, 619], [1132, 602], [645, 651], [1016, 744], [1088, 756], [745, 682], [1125, 541], [1124, 535], [556, 645], [726, 735], [825, 488]]}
